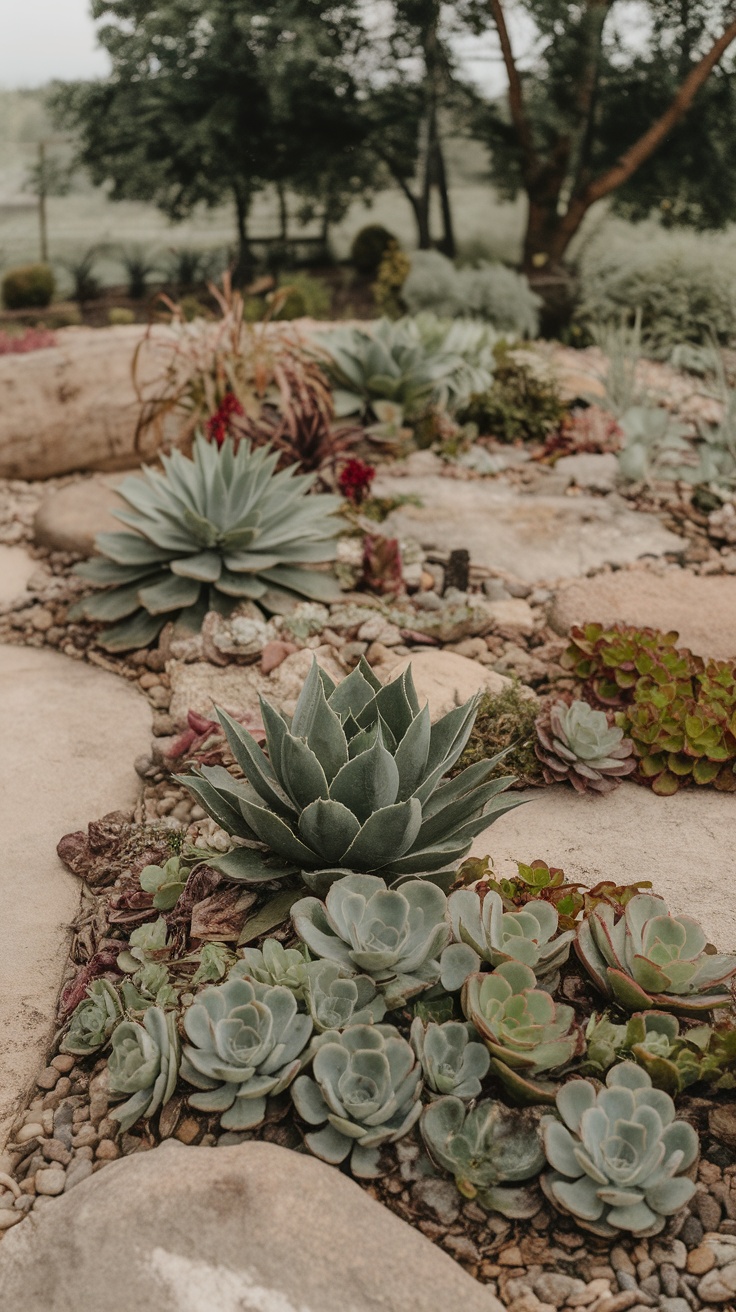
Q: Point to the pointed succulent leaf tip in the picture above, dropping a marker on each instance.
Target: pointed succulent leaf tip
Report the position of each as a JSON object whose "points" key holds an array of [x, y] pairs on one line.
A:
{"points": [[365, 1085], [246, 1040], [208, 531], [530, 935], [646, 958], [619, 1157], [487, 1149], [356, 780]]}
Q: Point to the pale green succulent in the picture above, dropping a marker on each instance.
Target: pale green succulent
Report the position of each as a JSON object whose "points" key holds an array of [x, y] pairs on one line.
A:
{"points": [[93, 1019], [208, 533], [395, 935], [451, 1061], [147, 943], [354, 782], [644, 957], [246, 1041], [365, 1083], [526, 1032], [485, 931], [150, 986], [272, 964], [618, 1160], [673, 1058], [577, 744], [167, 883], [144, 1065], [489, 1149], [336, 999]]}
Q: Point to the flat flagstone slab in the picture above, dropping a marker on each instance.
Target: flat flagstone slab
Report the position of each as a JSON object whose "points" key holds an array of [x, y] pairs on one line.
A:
{"points": [[247, 1228], [701, 609], [684, 844], [16, 567], [70, 734], [532, 537]]}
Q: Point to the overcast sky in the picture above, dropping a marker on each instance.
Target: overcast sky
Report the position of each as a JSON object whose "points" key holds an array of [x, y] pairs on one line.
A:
{"points": [[43, 39]]}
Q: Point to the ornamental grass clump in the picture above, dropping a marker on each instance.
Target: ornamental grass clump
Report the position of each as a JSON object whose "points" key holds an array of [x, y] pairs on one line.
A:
{"points": [[353, 782], [489, 1149], [618, 1158], [365, 1084], [644, 957], [144, 1065], [207, 534], [576, 743], [246, 1042]]}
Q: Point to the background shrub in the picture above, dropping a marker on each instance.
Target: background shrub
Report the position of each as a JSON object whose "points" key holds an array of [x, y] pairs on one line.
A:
{"points": [[487, 291], [306, 296], [29, 287], [369, 247]]}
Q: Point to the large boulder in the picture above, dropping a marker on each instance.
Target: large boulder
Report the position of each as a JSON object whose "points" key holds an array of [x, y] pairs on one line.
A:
{"points": [[69, 518], [249, 1228], [446, 680], [701, 609], [72, 406]]}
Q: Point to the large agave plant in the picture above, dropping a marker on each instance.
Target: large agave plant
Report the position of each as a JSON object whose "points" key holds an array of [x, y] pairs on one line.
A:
{"points": [[618, 1160], [647, 958], [489, 1150], [208, 533], [354, 782]]}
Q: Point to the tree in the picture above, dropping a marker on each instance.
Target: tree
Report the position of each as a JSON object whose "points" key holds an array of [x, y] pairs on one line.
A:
{"points": [[210, 99], [599, 100]]}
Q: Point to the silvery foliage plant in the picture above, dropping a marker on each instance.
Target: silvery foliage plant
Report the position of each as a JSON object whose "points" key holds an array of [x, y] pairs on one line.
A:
{"points": [[485, 932], [143, 1065], [246, 1041], [353, 782], [619, 1156], [451, 1061], [394, 935], [272, 963], [364, 1091], [336, 999]]}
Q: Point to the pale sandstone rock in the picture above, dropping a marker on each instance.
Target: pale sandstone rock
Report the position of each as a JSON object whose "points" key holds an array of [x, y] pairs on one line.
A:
{"points": [[16, 568], [446, 680], [702, 610], [249, 1227], [513, 616], [683, 844], [200, 687], [70, 734], [70, 519]]}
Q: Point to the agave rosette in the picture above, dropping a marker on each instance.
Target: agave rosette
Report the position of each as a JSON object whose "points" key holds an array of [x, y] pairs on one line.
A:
{"points": [[207, 534], [646, 958], [353, 782]]}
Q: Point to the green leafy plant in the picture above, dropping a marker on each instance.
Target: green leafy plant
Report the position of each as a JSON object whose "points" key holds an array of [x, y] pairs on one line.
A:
{"points": [[654, 444], [365, 1083], [93, 1019], [167, 882], [353, 783], [522, 404], [302, 294], [139, 264], [208, 533], [246, 1041], [391, 276], [485, 931], [577, 744], [336, 999], [526, 1032], [618, 1158], [674, 1058], [143, 1065], [149, 986], [369, 246], [489, 1149], [147, 943], [505, 723], [394, 935], [273, 964], [30, 286], [451, 1061], [646, 957]]}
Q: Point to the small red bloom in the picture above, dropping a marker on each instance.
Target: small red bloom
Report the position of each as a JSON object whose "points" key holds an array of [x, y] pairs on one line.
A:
{"points": [[218, 426], [355, 480]]}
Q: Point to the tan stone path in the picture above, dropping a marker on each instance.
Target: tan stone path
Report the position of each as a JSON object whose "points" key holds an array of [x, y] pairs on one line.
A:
{"points": [[68, 737]]}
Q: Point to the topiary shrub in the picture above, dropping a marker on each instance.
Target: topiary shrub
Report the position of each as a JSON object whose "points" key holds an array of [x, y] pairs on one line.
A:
{"points": [[30, 286], [369, 247]]}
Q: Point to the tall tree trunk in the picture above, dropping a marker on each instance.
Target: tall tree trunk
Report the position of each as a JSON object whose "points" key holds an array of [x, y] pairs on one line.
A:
{"points": [[283, 212], [448, 245], [243, 271]]}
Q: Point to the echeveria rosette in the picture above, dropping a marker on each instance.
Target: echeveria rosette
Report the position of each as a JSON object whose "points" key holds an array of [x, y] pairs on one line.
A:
{"points": [[273, 964], [208, 533], [578, 744], [453, 1063], [489, 1149], [246, 1041], [143, 1065], [395, 935], [353, 782], [365, 1083], [619, 1157], [485, 931], [526, 1032], [646, 958], [93, 1019], [336, 999]]}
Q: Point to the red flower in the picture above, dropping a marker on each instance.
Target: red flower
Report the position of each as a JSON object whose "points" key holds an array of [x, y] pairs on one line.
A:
{"points": [[355, 480], [218, 426]]}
